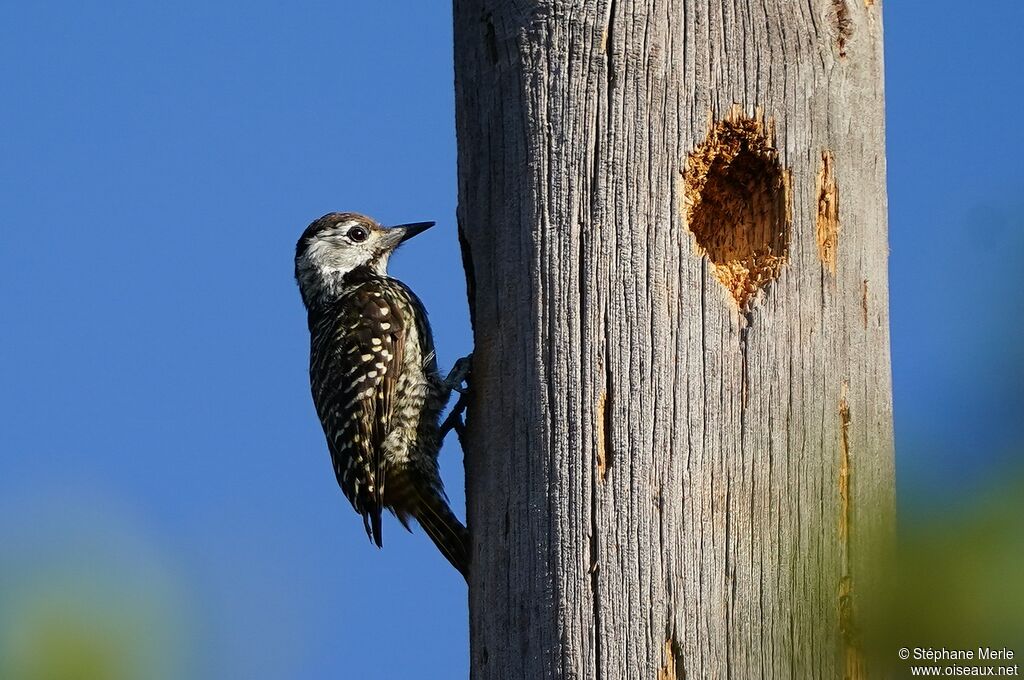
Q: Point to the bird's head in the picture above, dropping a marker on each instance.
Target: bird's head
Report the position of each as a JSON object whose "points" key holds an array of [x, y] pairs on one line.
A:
{"points": [[339, 243]]}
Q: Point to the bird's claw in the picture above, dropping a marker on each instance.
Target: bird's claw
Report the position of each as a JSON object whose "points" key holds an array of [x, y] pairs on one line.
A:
{"points": [[454, 420], [457, 377]]}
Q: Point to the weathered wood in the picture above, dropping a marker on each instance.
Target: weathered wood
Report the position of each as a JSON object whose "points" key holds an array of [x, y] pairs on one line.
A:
{"points": [[679, 453]]}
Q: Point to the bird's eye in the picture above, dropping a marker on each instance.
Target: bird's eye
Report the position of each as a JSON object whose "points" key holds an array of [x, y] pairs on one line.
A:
{"points": [[357, 234]]}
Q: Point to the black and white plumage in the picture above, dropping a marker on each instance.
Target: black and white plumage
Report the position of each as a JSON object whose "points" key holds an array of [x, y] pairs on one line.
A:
{"points": [[374, 377]]}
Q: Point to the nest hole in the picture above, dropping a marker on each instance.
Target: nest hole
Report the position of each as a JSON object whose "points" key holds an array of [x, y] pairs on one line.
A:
{"points": [[737, 205]]}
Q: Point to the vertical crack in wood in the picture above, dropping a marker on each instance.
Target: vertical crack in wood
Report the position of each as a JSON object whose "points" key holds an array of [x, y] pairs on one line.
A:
{"points": [[490, 39], [608, 45], [827, 223], [746, 321], [864, 303], [602, 424], [467, 265], [844, 468], [603, 428], [853, 657], [595, 585]]}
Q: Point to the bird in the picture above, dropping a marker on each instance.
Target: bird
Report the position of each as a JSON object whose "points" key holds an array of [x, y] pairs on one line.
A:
{"points": [[374, 378]]}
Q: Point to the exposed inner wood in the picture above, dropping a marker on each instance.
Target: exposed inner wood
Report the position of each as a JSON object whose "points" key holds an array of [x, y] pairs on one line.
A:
{"points": [[844, 465], [602, 427], [839, 15], [668, 671], [827, 225], [736, 204]]}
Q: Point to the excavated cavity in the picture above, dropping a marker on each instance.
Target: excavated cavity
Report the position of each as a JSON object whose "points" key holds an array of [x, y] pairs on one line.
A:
{"points": [[737, 205]]}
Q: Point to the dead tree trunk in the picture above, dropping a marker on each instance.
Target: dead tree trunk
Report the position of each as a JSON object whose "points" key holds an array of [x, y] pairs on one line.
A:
{"points": [[673, 217]]}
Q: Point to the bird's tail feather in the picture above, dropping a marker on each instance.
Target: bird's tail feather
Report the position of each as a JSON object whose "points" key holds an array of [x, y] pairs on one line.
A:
{"points": [[443, 528], [377, 533]]}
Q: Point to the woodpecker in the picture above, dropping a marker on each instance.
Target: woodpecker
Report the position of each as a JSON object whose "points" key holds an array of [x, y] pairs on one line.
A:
{"points": [[373, 375]]}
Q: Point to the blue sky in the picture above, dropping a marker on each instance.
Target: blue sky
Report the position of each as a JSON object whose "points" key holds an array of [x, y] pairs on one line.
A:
{"points": [[160, 462]]}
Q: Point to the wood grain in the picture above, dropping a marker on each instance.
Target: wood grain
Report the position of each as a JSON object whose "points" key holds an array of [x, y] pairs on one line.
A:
{"points": [[652, 468]]}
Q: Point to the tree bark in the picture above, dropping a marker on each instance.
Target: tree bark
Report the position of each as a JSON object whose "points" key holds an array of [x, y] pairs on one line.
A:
{"points": [[679, 446]]}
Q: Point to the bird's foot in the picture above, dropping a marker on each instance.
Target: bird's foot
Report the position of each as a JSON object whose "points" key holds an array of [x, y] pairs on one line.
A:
{"points": [[458, 381], [459, 375], [454, 420]]}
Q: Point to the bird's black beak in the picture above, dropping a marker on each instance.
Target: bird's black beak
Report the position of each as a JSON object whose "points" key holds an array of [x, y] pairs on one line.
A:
{"points": [[407, 231], [400, 233]]}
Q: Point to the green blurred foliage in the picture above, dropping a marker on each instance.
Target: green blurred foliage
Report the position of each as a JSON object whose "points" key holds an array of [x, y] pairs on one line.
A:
{"points": [[957, 580], [961, 576], [86, 596]]}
